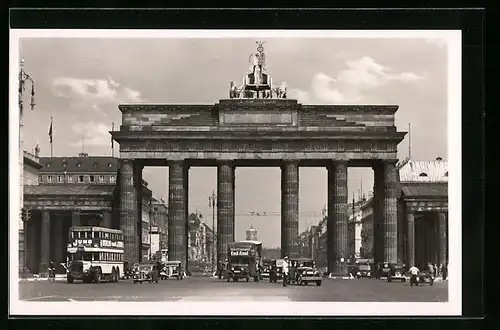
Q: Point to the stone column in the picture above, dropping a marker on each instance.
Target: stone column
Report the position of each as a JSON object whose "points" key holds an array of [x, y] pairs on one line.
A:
{"points": [[378, 199], [106, 218], [128, 212], [390, 215], [410, 239], [289, 208], [177, 212], [186, 203], [58, 240], [23, 247], [137, 168], [225, 207], [444, 238], [44, 242], [337, 221], [75, 217]]}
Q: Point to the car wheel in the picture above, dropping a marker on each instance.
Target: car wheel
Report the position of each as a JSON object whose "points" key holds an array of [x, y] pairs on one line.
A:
{"points": [[97, 276], [135, 282], [318, 283], [69, 278], [247, 279]]}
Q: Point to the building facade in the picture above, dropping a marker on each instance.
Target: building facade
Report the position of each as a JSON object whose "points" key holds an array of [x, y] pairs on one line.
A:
{"points": [[31, 168], [354, 229], [159, 221], [72, 191]]}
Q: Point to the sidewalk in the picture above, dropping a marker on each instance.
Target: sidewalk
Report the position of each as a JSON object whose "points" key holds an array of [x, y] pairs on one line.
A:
{"points": [[35, 278]]}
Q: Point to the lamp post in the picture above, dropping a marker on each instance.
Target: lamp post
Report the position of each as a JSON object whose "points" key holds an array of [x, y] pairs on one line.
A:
{"points": [[23, 79], [212, 201]]}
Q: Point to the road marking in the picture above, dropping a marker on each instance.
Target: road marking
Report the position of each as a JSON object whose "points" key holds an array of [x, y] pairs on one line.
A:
{"points": [[38, 298]]}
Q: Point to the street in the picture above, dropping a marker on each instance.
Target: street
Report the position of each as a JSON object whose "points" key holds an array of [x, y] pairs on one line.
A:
{"points": [[199, 289]]}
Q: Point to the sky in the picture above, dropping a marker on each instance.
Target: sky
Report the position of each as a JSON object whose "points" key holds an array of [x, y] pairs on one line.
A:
{"points": [[80, 82]]}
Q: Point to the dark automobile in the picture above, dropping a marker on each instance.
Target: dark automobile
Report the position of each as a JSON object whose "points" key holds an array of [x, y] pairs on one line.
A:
{"points": [[276, 271], [304, 271], [425, 278], [266, 269], [363, 270], [145, 272], [397, 272], [382, 270]]}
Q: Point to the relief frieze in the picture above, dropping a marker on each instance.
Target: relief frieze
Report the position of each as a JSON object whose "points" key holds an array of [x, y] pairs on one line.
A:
{"points": [[310, 145]]}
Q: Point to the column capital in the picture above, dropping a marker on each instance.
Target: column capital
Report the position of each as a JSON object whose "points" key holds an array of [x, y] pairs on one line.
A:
{"points": [[181, 162], [335, 163]]}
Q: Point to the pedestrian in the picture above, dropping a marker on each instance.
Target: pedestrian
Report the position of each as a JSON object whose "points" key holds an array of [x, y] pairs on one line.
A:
{"points": [[445, 271], [414, 271], [285, 271], [430, 269]]}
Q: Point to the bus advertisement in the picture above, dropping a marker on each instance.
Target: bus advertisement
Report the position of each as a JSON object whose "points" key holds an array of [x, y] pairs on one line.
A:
{"points": [[95, 254]]}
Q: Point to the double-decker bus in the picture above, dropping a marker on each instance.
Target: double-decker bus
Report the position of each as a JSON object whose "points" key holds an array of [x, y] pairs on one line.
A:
{"points": [[95, 254]]}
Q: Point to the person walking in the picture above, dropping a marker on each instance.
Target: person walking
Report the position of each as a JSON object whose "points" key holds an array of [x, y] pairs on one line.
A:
{"points": [[285, 271], [414, 271]]}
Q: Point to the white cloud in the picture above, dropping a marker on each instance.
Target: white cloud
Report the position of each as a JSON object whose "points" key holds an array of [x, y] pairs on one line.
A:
{"points": [[93, 133], [360, 76], [94, 90]]}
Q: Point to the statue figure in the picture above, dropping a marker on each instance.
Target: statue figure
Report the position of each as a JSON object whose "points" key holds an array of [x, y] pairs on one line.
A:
{"points": [[282, 90], [37, 151], [235, 91], [257, 75]]}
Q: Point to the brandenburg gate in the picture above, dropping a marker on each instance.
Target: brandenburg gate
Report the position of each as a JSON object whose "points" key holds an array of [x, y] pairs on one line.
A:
{"points": [[259, 126]]}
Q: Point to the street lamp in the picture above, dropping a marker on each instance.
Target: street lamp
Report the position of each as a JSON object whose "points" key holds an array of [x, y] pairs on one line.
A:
{"points": [[212, 201], [23, 78]]}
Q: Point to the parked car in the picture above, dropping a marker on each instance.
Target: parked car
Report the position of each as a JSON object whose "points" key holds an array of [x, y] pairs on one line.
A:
{"points": [[397, 272], [145, 272], [364, 270]]}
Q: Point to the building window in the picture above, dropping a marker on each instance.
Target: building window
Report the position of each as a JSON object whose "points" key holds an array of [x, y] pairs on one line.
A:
{"points": [[70, 179], [49, 178], [110, 165], [112, 179], [60, 179], [80, 179], [423, 174], [101, 178], [40, 179], [65, 164], [446, 174], [78, 165], [91, 178], [47, 165], [94, 165]]}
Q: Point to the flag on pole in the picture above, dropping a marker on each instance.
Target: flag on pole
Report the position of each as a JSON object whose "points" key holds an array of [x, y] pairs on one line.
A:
{"points": [[50, 132], [112, 130]]}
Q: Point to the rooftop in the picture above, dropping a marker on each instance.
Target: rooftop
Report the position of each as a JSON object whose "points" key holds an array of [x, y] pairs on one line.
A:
{"points": [[79, 164], [92, 190], [423, 171], [421, 190]]}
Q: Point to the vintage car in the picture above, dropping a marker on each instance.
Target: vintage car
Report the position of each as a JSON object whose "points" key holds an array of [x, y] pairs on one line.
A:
{"points": [[303, 272], [266, 269], [363, 270], [422, 278], [382, 269], [172, 269], [276, 271], [397, 272], [145, 272]]}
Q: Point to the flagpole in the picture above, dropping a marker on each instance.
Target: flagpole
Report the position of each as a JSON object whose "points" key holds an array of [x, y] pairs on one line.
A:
{"points": [[51, 139], [112, 142]]}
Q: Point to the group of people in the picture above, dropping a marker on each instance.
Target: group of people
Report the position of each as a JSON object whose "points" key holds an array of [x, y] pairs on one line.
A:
{"points": [[432, 270]]}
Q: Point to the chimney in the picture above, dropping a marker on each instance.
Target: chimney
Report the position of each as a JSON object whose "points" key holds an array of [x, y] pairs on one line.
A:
{"points": [[439, 159]]}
